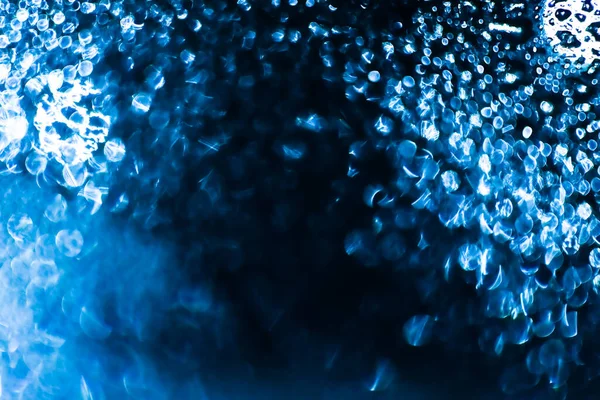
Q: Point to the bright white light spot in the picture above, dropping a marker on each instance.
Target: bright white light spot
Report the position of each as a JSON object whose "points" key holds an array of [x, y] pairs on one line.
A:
{"points": [[483, 188], [504, 28], [584, 211], [374, 76], [429, 131], [15, 128], [68, 132], [510, 78], [569, 28], [547, 107], [515, 6]]}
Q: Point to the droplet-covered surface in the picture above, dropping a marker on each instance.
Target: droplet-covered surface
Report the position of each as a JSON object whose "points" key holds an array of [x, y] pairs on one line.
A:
{"points": [[349, 199], [571, 28]]}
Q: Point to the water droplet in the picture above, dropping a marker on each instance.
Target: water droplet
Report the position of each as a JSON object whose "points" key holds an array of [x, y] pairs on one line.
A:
{"points": [[524, 224], [85, 68], [544, 326], [595, 258], [44, 273], [74, 175], [92, 326], [408, 81], [518, 379], [69, 242], [418, 330], [114, 150], [451, 181], [142, 102], [568, 325], [407, 150], [584, 211], [374, 76], [57, 209], [21, 228], [35, 163], [551, 353]]}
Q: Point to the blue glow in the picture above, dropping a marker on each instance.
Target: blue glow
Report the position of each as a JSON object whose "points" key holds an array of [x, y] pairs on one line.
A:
{"points": [[197, 190]]}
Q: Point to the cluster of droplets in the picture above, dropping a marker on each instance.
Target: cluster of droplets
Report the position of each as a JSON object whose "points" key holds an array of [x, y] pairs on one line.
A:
{"points": [[476, 142], [36, 244], [107, 100], [48, 57], [54, 125], [67, 131], [487, 139], [51, 302]]}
